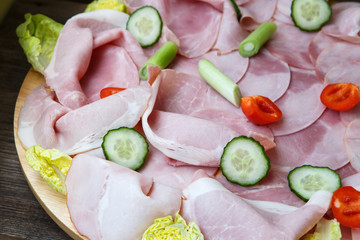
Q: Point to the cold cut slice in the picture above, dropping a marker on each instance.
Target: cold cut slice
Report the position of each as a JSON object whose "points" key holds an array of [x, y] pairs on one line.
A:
{"points": [[106, 200], [223, 215], [352, 143], [300, 105]]}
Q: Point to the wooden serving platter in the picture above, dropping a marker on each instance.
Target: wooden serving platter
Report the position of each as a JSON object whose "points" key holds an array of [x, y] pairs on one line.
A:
{"points": [[53, 202]]}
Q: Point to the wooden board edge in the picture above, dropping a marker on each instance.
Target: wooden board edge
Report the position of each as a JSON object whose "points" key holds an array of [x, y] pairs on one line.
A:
{"points": [[53, 203]]}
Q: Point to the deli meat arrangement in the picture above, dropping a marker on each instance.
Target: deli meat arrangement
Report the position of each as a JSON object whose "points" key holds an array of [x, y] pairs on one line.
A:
{"points": [[188, 128]]}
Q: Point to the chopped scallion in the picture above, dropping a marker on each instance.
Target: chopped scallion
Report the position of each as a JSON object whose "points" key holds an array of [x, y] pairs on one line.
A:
{"points": [[219, 81], [252, 44], [162, 58]]}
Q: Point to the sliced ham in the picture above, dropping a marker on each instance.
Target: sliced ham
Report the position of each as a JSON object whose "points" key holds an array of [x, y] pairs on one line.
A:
{"points": [[73, 54], [300, 105], [234, 72], [352, 143], [347, 72], [350, 115], [345, 22], [221, 214], [157, 166], [291, 45], [252, 17], [267, 76], [203, 18], [44, 121], [319, 43], [274, 187], [335, 54], [231, 33], [106, 200], [320, 144]]}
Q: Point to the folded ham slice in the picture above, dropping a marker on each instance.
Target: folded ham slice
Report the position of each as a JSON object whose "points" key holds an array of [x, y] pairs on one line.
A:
{"points": [[108, 201], [45, 121], [221, 214], [73, 57]]}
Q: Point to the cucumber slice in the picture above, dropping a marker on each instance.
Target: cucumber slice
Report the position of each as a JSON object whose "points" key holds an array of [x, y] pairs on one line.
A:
{"points": [[310, 15], [305, 180], [125, 146], [244, 161], [145, 25]]}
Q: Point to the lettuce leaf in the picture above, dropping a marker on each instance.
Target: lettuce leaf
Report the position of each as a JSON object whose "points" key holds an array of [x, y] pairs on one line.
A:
{"points": [[37, 37], [325, 230], [107, 4]]}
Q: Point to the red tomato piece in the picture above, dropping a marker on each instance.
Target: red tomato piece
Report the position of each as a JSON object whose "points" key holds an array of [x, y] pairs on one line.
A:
{"points": [[260, 110], [105, 92], [340, 96], [345, 205]]}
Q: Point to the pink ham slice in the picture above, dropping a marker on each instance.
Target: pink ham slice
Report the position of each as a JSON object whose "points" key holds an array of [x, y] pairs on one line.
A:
{"points": [[350, 115], [274, 187], [300, 105], [101, 74], [106, 200], [352, 143], [234, 72], [252, 17], [345, 22], [319, 145], [267, 76], [344, 72], [231, 33], [44, 121], [73, 55], [283, 46], [203, 18], [335, 54], [319, 43], [221, 214], [157, 166]]}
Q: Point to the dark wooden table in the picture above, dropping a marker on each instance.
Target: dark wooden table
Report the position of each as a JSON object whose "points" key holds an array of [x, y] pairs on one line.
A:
{"points": [[21, 216]]}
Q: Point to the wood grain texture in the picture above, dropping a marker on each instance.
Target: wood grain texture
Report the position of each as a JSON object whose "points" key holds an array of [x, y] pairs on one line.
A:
{"points": [[53, 202]]}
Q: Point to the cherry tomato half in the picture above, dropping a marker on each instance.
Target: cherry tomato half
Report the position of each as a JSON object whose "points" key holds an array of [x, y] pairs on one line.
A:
{"points": [[260, 110], [340, 96], [105, 92], [345, 205]]}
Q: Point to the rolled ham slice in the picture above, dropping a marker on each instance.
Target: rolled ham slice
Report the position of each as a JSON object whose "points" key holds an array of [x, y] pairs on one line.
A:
{"points": [[300, 105], [221, 214], [108, 201], [73, 55], [320, 144]]}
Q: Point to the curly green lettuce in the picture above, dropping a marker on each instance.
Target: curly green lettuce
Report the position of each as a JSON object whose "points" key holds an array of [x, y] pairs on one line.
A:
{"points": [[52, 164], [107, 4], [325, 230], [37, 37], [167, 229]]}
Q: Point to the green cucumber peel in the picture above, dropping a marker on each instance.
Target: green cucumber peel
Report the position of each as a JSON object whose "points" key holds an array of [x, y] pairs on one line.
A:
{"points": [[251, 45], [219, 81], [237, 10], [162, 58]]}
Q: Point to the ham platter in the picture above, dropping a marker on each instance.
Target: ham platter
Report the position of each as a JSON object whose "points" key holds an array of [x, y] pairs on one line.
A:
{"points": [[187, 124]]}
